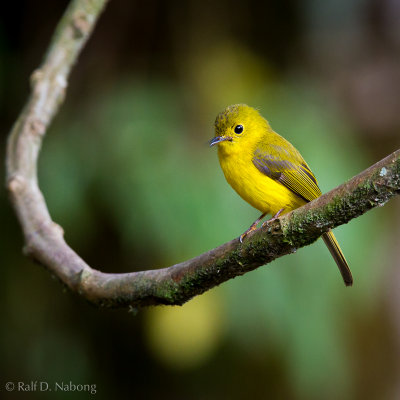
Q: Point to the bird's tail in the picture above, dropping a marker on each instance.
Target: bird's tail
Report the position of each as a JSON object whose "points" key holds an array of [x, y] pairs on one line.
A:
{"points": [[338, 256]]}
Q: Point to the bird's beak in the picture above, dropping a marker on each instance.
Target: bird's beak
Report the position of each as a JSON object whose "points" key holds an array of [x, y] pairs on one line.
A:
{"points": [[219, 139]]}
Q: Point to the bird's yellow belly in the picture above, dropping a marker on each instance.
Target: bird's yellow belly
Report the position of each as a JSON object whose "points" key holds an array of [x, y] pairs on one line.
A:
{"points": [[257, 189]]}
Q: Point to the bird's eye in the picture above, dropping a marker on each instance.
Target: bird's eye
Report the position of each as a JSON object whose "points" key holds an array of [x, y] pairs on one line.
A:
{"points": [[239, 129]]}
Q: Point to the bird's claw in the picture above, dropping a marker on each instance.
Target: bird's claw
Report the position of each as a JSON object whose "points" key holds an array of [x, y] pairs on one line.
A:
{"points": [[266, 223], [244, 235], [274, 218]]}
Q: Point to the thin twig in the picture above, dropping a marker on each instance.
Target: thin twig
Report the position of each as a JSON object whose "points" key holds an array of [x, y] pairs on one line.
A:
{"points": [[174, 285]]}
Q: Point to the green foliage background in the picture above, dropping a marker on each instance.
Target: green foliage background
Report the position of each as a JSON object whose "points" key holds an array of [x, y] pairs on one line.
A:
{"points": [[126, 170]]}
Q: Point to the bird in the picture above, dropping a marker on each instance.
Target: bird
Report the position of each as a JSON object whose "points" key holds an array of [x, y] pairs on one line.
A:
{"points": [[267, 171]]}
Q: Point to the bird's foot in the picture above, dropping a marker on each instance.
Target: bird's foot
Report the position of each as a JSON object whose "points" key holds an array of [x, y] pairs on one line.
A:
{"points": [[275, 217], [251, 229]]}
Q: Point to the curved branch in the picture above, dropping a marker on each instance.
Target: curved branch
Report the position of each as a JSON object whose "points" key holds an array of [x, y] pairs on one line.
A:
{"points": [[174, 285], [49, 84]]}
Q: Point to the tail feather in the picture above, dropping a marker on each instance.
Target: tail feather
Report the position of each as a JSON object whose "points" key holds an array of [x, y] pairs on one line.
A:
{"points": [[338, 256]]}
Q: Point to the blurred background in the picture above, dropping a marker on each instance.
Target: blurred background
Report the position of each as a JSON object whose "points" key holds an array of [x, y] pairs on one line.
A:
{"points": [[126, 170]]}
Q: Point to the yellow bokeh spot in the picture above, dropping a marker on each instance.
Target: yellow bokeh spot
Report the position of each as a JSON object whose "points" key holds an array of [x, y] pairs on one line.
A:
{"points": [[185, 337]]}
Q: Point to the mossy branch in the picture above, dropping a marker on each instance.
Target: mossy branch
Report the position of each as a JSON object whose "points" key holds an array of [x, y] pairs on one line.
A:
{"points": [[176, 284]]}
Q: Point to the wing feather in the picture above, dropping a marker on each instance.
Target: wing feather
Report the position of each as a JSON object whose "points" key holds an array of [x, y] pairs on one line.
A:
{"points": [[287, 166]]}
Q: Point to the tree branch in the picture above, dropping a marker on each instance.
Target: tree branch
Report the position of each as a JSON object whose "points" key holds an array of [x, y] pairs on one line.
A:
{"points": [[174, 285]]}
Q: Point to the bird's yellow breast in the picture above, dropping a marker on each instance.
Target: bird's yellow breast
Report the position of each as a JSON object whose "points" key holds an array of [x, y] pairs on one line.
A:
{"points": [[262, 192]]}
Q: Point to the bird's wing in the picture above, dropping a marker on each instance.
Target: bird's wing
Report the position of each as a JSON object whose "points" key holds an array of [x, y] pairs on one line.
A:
{"points": [[283, 163]]}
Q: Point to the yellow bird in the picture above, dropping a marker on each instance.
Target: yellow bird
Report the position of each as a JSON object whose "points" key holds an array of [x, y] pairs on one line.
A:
{"points": [[267, 171]]}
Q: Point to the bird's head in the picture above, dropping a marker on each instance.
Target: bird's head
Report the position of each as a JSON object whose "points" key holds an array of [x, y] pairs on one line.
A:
{"points": [[238, 127]]}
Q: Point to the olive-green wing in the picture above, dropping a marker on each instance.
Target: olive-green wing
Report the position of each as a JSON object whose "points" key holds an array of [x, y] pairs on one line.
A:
{"points": [[283, 163]]}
